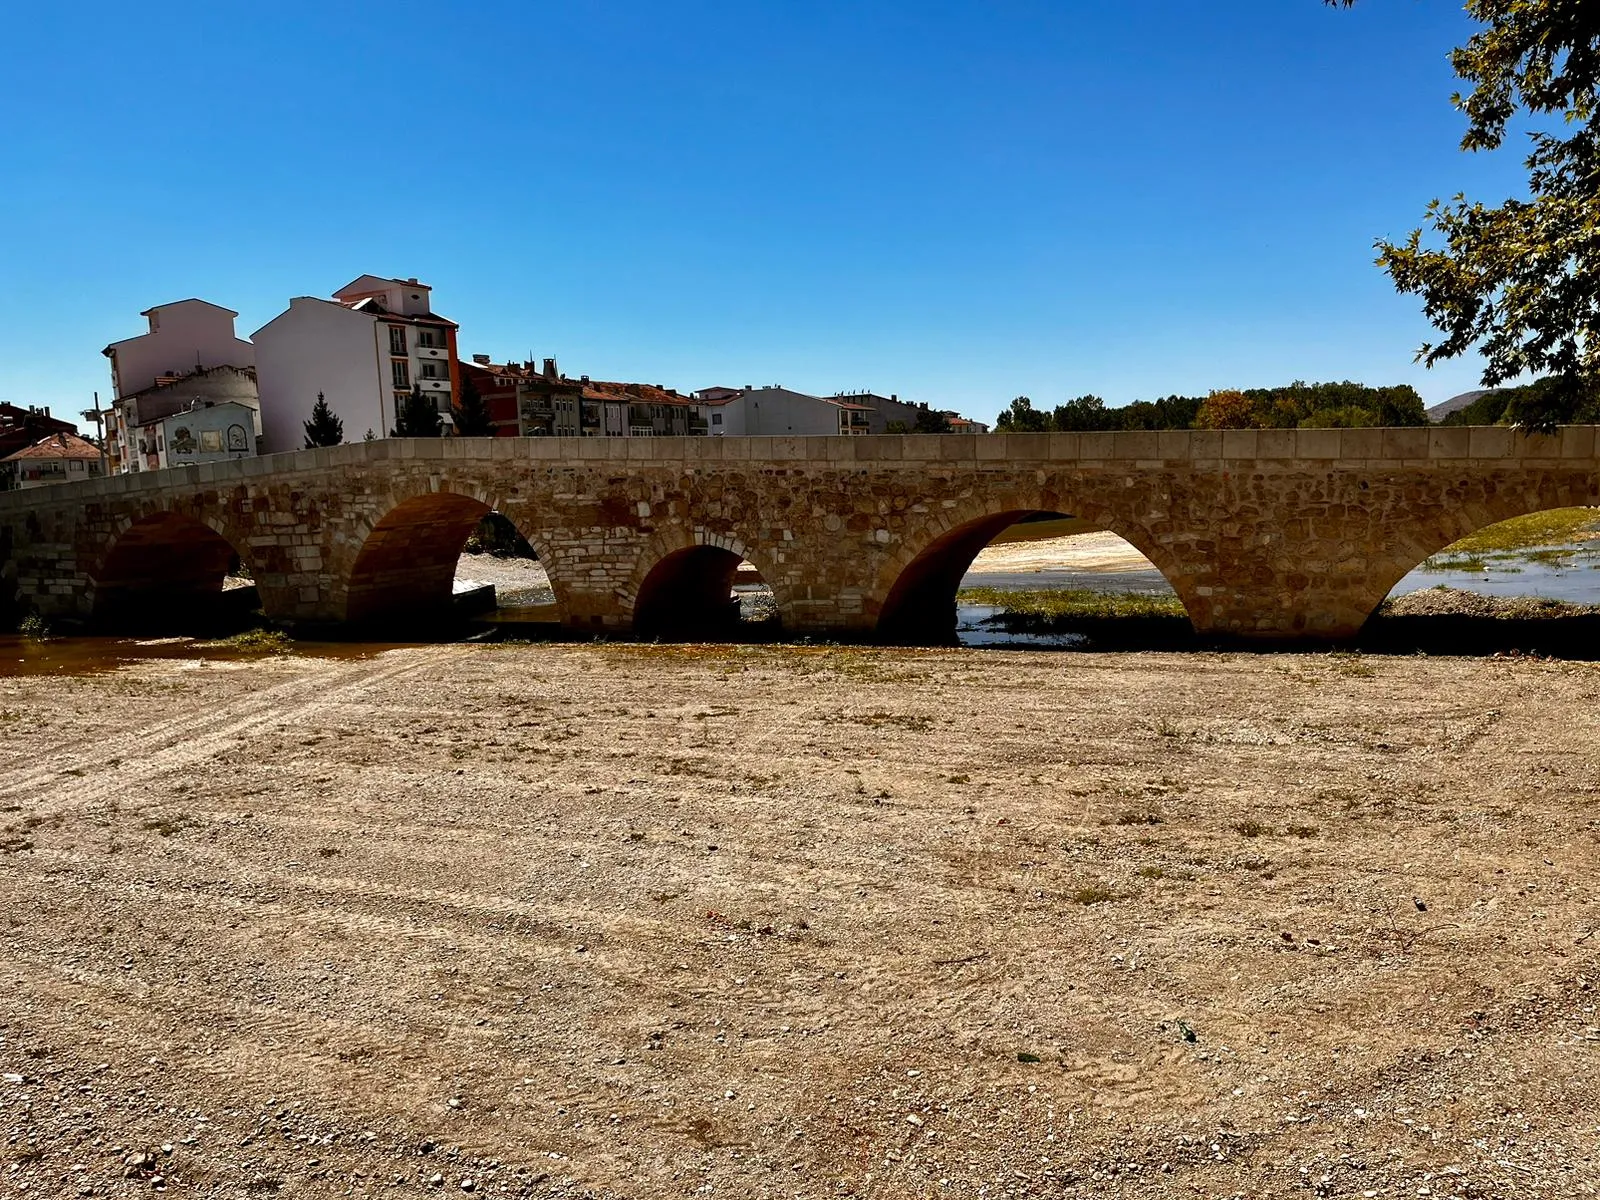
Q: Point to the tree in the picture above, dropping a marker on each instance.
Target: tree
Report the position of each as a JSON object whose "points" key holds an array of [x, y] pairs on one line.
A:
{"points": [[1082, 414], [418, 416], [1226, 410], [1021, 417], [324, 428], [471, 413], [931, 420], [1521, 281]]}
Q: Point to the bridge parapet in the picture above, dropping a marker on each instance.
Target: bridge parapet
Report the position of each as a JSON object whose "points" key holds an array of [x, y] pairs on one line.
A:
{"points": [[1263, 533]]}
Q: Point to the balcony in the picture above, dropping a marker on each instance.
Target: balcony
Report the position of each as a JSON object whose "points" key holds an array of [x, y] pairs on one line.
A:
{"points": [[429, 352]]}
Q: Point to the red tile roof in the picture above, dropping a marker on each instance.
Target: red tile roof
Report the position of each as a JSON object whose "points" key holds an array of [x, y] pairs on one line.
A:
{"points": [[58, 445]]}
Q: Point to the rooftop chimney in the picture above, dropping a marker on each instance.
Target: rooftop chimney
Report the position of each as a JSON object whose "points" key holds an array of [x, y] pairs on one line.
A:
{"points": [[550, 369], [481, 359]]}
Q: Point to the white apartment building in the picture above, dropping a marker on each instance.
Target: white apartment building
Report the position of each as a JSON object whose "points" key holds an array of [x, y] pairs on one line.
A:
{"points": [[184, 336], [363, 350], [777, 411], [188, 357]]}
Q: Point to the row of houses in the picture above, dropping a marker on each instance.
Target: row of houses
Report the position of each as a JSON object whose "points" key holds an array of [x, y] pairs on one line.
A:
{"points": [[189, 390]]}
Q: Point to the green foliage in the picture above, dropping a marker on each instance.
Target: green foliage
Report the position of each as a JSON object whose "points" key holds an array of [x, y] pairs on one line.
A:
{"points": [[1296, 405], [324, 428], [1021, 417], [1527, 405], [418, 417], [930, 420], [1521, 282], [471, 413]]}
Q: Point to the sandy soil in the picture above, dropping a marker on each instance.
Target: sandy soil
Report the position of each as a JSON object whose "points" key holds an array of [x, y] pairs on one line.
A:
{"points": [[1099, 551], [637, 920], [522, 581]]}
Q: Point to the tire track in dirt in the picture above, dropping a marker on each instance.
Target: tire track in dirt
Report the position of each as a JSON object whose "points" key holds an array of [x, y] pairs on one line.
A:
{"points": [[176, 743]]}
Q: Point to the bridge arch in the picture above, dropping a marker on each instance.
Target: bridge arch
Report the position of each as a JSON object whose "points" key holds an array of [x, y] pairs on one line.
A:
{"points": [[404, 564], [169, 566], [1469, 507], [918, 582], [683, 583]]}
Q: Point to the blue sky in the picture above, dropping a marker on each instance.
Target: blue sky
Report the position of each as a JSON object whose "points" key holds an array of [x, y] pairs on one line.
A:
{"points": [[957, 202]]}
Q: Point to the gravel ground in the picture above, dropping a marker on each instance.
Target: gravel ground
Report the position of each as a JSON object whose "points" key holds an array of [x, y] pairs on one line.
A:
{"points": [[631, 920]]}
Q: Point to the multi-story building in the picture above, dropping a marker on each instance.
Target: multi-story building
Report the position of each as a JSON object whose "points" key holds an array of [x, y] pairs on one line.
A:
{"points": [[220, 403], [22, 427], [363, 351], [191, 341], [497, 383], [55, 458], [184, 336], [775, 411]]}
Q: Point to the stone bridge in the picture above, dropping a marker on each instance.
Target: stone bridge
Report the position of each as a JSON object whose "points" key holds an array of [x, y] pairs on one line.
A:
{"points": [[1272, 534]]}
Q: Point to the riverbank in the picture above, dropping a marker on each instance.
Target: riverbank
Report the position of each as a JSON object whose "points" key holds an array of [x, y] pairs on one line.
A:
{"points": [[629, 920]]}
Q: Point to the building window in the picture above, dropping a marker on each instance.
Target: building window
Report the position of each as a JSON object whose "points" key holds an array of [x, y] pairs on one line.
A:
{"points": [[402, 374], [397, 339], [716, 418]]}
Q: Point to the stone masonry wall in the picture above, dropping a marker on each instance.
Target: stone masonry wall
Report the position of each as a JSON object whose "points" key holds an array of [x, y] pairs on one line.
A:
{"points": [[1271, 533]]}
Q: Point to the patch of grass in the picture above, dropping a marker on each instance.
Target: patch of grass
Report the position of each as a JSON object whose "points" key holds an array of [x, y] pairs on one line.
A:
{"points": [[1347, 662], [1092, 893], [33, 626], [1151, 873], [1250, 827], [1138, 817], [171, 825], [254, 641], [909, 721], [1057, 604], [1303, 831], [1556, 526]]}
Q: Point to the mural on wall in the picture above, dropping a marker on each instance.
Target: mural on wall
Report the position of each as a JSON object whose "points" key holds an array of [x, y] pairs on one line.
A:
{"points": [[237, 438], [182, 441]]}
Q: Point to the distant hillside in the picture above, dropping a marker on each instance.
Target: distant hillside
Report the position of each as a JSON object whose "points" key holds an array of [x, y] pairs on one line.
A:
{"points": [[1443, 409]]}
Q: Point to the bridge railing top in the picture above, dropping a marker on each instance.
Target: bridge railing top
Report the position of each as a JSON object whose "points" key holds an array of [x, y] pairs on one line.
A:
{"points": [[1198, 448]]}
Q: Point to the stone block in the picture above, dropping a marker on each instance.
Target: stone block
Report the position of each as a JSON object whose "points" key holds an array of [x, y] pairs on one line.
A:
{"points": [[1173, 443], [1135, 444], [1097, 446], [1361, 444], [920, 447], [786, 449], [1454, 441], [1538, 445], [957, 447], [1578, 441], [1239, 443], [817, 447], [1064, 447], [1277, 443], [1405, 443], [1316, 443], [1491, 441], [990, 447], [1205, 445]]}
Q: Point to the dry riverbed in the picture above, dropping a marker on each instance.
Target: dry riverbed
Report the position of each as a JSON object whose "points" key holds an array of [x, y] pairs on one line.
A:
{"points": [[631, 920]]}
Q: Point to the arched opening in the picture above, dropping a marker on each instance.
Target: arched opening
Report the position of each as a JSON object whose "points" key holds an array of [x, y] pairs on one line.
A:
{"points": [[172, 573], [1527, 582], [497, 556], [413, 576], [1030, 577], [704, 592]]}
